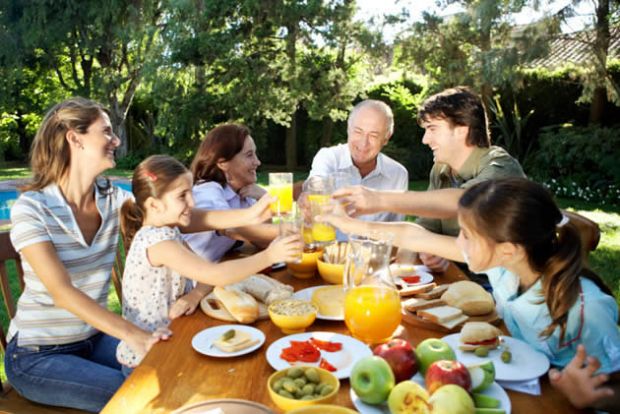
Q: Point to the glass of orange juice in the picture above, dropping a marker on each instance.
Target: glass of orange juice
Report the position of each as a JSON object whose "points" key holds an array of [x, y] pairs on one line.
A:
{"points": [[281, 187], [372, 308], [322, 233]]}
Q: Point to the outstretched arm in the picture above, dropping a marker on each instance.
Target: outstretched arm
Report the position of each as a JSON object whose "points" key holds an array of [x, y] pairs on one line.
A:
{"points": [[433, 204], [407, 235], [205, 220], [178, 257]]}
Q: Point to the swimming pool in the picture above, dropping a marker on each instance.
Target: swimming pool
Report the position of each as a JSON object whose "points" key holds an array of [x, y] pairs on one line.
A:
{"points": [[7, 198]]}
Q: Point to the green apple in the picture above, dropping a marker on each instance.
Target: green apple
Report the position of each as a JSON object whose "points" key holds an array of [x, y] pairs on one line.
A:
{"points": [[490, 411], [485, 401], [451, 399], [372, 379], [408, 397], [431, 350], [482, 376]]}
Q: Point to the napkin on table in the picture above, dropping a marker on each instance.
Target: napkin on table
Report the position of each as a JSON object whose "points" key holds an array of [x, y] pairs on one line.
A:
{"points": [[527, 387]]}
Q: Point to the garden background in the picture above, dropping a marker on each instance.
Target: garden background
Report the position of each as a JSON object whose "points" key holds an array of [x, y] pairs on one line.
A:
{"points": [[291, 70]]}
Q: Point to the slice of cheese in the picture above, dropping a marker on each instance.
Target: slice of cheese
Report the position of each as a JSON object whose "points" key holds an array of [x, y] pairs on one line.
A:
{"points": [[240, 341], [329, 300]]}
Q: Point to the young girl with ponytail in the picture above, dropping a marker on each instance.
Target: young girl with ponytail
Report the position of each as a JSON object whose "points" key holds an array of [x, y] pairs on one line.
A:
{"points": [[155, 288], [512, 230]]}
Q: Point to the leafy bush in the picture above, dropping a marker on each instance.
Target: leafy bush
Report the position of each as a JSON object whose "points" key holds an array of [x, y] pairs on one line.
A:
{"points": [[579, 162], [130, 161]]}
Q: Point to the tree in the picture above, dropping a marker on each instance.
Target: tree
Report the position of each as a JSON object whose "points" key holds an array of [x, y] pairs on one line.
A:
{"points": [[599, 85], [479, 46], [95, 49]]}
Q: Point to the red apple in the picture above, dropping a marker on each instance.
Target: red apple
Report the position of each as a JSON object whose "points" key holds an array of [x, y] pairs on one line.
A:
{"points": [[400, 356], [445, 372]]}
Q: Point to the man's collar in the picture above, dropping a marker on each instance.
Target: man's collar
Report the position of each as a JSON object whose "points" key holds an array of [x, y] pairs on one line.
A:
{"points": [[346, 162]]}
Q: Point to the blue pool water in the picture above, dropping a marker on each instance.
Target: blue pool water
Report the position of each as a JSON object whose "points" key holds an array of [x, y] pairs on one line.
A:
{"points": [[7, 198]]}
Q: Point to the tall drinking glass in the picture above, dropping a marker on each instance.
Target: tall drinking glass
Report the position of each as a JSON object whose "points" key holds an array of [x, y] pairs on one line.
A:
{"points": [[281, 187], [372, 309], [319, 190], [291, 224]]}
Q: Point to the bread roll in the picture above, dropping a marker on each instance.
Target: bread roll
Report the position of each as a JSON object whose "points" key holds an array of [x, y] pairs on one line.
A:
{"points": [[241, 306], [470, 297], [265, 289], [214, 308]]}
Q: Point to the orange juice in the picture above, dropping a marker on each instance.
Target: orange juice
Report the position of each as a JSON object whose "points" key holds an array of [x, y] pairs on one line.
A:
{"points": [[372, 313], [307, 234], [321, 232], [284, 204]]}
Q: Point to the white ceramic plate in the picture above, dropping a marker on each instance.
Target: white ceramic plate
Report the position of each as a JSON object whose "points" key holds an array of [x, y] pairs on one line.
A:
{"points": [[494, 391], [203, 340], [306, 294], [401, 270], [526, 364], [343, 360]]}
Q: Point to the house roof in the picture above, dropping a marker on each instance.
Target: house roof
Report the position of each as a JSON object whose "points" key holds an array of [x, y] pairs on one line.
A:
{"points": [[576, 48]]}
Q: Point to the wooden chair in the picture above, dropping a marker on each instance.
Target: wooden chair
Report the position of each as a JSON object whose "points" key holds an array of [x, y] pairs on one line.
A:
{"points": [[118, 268], [588, 230], [10, 400]]}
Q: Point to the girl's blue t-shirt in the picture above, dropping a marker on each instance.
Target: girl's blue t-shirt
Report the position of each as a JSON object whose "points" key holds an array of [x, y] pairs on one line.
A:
{"points": [[592, 320]]}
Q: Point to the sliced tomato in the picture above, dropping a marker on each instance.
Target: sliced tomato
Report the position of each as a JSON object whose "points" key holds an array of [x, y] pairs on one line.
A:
{"points": [[326, 365], [492, 341], [300, 351], [326, 345], [411, 279]]}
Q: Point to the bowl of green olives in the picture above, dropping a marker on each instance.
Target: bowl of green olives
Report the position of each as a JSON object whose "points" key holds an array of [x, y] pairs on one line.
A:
{"points": [[301, 386]]}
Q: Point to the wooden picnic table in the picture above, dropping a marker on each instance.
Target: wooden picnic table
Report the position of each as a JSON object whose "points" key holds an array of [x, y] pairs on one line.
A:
{"points": [[173, 374]]}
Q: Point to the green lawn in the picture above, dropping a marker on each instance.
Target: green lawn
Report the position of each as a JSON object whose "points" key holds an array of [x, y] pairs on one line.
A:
{"points": [[605, 260]]}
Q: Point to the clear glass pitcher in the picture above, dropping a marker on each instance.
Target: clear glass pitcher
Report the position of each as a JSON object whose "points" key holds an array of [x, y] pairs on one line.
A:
{"points": [[372, 309]]}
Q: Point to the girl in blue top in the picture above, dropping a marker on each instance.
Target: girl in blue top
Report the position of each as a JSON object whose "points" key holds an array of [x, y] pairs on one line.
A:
{"points": [[512, 230]]}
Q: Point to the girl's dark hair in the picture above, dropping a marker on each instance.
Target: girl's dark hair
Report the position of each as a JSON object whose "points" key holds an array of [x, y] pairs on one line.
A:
{"points": [[151, 178], [221, 143], [522, 212], [459, 106]]}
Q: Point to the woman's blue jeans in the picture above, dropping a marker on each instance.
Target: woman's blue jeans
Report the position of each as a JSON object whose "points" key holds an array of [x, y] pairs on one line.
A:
{"points": [[82, 375]]}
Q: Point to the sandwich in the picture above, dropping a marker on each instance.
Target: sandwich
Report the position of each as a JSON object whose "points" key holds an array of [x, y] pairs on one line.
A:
{"points": [[470, 297], [417, 304], [234, 340], [477, 334]]}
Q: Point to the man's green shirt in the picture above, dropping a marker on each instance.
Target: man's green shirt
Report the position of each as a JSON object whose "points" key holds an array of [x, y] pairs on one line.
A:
{"points": [[483, 164]]}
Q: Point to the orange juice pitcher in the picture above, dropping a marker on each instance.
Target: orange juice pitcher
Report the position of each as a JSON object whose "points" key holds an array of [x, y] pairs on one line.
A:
{"points": [[372, 309]]}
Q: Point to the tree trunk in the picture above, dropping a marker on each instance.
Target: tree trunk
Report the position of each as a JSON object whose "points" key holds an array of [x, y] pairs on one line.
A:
{"points": [[291, 144], [597, 106], [291, 131], [24, 142], [118, 119], [601, 46], [328, 132]]}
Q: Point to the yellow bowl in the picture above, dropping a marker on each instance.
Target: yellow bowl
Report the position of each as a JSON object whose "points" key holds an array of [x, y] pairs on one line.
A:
{"points": [[322, 409], [292, 315], [307, 267], [331, 272], [287, 404]]}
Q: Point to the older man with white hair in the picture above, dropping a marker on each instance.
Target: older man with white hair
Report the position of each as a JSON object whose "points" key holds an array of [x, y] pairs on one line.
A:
{"points": [[370, 127]]}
